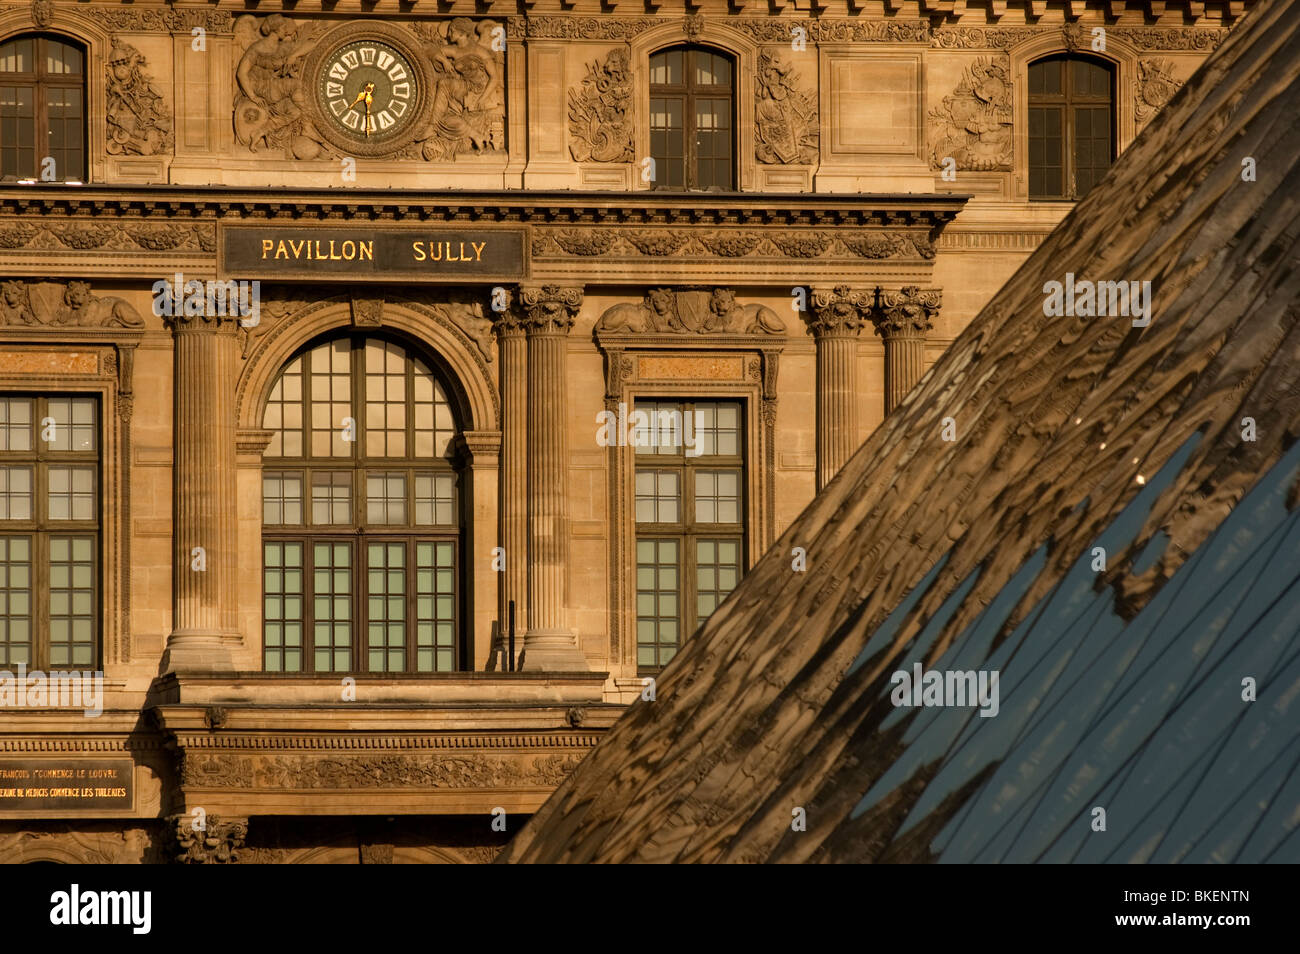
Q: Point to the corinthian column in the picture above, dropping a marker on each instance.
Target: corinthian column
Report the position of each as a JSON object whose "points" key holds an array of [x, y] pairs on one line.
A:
{"points": [[836, 318], [204, 529], [514, 469], [548, 312], [902, 319]]}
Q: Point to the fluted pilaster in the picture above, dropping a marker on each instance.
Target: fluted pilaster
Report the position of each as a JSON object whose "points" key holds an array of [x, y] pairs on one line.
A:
{"points": [[902, 318], [204, 526], [547, 314], [514, 470], [836, 319]]}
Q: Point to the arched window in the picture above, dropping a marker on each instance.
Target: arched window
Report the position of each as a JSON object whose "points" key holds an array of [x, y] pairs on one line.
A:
{"points": [[1071, 125], [360, 514], [42, 108], [691, 129]]}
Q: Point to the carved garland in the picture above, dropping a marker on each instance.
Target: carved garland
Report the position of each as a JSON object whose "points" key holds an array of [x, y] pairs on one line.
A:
{"points": [[730, 243]]}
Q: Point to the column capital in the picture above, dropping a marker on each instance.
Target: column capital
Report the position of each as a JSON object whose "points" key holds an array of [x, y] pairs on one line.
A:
{"points": [[841, 310], [217, 324], [218, 842], [549, 309], [909, 310]]}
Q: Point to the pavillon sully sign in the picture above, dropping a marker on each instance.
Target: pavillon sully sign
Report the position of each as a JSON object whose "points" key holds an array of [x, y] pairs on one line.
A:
{"points": [[361, 254]]}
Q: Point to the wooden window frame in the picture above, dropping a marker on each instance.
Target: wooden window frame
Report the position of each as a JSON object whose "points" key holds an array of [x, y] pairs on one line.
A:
{"points": [[687, 93], [40, 82], [39, 529], [1065, 102], [360, 532], [689, 532]]}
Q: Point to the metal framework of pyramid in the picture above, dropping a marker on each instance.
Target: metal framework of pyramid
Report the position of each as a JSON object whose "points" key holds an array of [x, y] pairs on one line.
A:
{"points": [[1126, 688]]}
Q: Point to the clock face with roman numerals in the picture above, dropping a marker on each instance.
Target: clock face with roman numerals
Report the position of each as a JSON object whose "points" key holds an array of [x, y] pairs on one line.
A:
{"points": [[367, 91]]}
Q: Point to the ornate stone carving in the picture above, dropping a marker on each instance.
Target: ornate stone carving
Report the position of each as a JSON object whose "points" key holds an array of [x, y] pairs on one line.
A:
{"points": [[42, 13], [584, 241], [887, 245], [218, 842], [1142, 38], [600, 112], [802, 244], [367, 312], [1156, 86], [588, 28], [393, 770], [691, 311], [781, 30], [549, 308], [92, 236], [271, 107], [656, 241], [910, 309], [838, 311], [785, 117], [468, 113], [139, 122], [730, 244], [974, 122], [693, 26], [57, 303], [376, 854], [128, 20]]}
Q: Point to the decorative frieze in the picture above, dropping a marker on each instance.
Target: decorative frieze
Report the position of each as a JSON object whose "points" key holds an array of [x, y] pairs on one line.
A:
{"points": [[690, 311], [785, 116], [974, 123], [138, 120], [589, 242], [63, 304], [107, 235], [600, 112], [218, 770], [1192, 39]]}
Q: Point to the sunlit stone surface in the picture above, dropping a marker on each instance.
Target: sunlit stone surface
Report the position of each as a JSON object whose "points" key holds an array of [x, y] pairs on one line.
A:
{"points": [[1120, 688]]}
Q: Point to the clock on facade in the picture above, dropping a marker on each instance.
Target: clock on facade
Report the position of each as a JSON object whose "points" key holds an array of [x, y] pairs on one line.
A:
{"points": [[367, 90]]}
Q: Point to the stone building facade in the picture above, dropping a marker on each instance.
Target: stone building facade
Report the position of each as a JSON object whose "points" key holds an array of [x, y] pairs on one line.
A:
{"points": [[332, 340]]}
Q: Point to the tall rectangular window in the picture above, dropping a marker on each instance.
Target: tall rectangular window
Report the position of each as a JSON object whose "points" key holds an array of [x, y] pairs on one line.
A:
{"points": [[42, 114], [690, 520], [49, 531], [692, 139], [1071, 125]]}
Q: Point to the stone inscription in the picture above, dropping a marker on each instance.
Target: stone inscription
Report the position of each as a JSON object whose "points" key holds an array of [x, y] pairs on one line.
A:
{"points": [[62, 784]]}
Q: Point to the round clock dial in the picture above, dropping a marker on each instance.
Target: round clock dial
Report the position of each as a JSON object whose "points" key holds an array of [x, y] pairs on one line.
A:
{"points": [[368, 90]]}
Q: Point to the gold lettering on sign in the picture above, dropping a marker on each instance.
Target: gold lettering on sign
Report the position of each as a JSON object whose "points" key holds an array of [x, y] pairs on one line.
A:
{"points": [[446, 251], [662, 367], [320, 250]]}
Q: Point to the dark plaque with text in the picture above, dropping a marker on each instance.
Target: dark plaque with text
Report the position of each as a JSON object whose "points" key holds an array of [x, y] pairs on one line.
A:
{"points": [[358, 254], [66, 783]]}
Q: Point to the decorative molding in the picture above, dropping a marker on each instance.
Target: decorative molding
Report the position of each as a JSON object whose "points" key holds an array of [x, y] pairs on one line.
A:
{"points": [[693, 26], [1156, 86], [1198, 39], [63, 304], [974, 123], [220, 841], [785, 117], [781, 30], [43, 13], [909, 309], [690, 311], [138, 120], [88, 236], [549, 309], [210, 770], [588, 242], [839, 311], [367, 312], [600, 112]]}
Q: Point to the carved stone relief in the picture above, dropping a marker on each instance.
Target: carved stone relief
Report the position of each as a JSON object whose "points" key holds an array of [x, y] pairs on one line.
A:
{"points": [[974, 122], [394, 770], [600, 112], [1156, 87], [690, 311], [785, 117], [139, 122], [60, 303], [729, 243], [276, 107]]}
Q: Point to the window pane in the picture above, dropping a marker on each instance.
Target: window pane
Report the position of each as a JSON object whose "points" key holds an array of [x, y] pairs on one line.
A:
{"points": [[73, 420], [435, 499], [386, 607], [331, 497], [72, 602], [386, 498], [15, 424], [435, 616], [658, 613], [15, 601], [332, 606], [717, 570], [282, 498], [15, 493], [71, 493], [282, 620], [16, 56]]}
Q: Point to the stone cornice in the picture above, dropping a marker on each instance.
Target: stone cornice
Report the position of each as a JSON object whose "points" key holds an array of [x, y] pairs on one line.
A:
{"points": [[190, 206]]}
